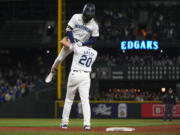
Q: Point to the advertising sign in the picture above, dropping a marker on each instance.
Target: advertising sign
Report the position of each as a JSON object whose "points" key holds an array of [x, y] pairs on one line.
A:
{"points": [[157, 110], [103, 110], [122, 110]]}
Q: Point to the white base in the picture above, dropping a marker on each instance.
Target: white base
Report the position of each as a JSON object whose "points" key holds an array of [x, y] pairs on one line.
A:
{"points": [[120, 129]]}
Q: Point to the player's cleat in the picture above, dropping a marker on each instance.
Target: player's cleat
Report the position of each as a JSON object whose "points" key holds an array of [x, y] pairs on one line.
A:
{"points": [[49, 78], [86, 127], [64, 126]]}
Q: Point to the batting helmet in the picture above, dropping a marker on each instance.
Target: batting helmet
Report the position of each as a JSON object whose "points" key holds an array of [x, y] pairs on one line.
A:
{"points": [[88, 12]]}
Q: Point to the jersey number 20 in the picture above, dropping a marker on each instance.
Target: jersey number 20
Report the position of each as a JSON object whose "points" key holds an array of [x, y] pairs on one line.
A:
{"points": [[85, 60]]}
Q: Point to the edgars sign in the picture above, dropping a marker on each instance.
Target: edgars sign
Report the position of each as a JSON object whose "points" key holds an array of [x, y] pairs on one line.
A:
{"points": [[139, 45]]}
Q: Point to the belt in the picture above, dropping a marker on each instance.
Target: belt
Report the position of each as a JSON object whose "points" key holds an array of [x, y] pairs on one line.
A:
{"points": [[80, 71]]}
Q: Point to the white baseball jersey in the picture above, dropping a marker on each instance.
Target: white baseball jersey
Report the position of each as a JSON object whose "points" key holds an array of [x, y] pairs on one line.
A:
{"points": [[81, 31], [83, 57]]}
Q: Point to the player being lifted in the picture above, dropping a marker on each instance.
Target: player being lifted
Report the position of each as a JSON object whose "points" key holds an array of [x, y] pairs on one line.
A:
{"points": [[82, 29]]}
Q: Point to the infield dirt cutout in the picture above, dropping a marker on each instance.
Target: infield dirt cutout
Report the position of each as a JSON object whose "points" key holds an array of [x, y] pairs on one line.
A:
{"points": [[139, 129]]}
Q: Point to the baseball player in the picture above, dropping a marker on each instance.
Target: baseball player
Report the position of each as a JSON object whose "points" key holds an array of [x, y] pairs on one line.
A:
{"points": [[82, 29], [169, 100], [79, 79]]}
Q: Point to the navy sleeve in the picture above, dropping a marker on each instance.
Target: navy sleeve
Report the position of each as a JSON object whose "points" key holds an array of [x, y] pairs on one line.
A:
{"points": [[70, 36], [91, 41]]}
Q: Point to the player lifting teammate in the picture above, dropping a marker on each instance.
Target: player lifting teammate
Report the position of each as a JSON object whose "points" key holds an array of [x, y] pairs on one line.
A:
{"points": [[82, 33], [79, 79]]}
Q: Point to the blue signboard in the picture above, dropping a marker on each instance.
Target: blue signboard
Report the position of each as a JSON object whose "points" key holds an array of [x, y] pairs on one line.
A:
{"points": [[103, 110], [139, 45], [109, 110]]}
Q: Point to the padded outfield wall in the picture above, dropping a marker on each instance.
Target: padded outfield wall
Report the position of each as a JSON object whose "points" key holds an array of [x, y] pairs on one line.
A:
{"points": [[119, 109]]}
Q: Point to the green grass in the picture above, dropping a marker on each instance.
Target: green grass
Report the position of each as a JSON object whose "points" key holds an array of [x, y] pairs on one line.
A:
{"points": [[79, 123], [29, 122]]}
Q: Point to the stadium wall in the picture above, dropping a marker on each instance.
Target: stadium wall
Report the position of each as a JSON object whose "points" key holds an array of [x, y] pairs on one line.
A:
{"points": [[119, 109], [27, 107], [30, 107]]}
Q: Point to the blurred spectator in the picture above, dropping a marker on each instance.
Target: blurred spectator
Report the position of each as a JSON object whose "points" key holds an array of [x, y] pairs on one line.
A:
{"points": [[20, 79], [134, 59], [145, 21]]}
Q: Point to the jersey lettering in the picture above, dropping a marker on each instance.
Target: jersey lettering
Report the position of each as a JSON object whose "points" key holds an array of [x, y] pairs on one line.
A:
{"points": [[85, 60], [83, 28]]}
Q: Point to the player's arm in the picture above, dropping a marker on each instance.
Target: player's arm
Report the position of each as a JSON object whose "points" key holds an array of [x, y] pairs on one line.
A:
{"points": [[94, 36], [91, 41], [70, 33], [70, 27], [65, 42]]}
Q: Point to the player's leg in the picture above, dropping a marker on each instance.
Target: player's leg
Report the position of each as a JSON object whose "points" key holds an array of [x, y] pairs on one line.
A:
{"points": [[170, 112], [62, 55], [80, 112], [68, 104], [165, 112], [84, 95], [71, 90]]}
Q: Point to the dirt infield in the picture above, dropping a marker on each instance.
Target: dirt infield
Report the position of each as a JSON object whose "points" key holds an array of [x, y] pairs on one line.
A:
{"points": [[140, 129]]}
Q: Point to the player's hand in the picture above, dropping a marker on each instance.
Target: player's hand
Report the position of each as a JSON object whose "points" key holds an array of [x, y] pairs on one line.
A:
{"points": [[65, 42]]}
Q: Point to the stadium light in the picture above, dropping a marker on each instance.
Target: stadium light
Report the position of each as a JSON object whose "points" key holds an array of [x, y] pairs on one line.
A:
{"points": [[163, 89]]}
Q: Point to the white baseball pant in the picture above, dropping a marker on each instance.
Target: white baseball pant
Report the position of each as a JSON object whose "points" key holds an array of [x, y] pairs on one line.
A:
{"points": [[62, 55], [80, 81]]}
